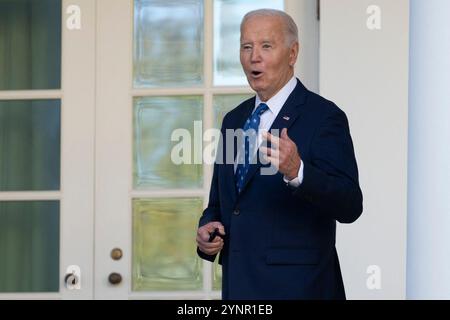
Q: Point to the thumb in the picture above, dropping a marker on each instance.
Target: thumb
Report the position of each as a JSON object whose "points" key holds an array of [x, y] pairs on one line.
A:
{"points": [[219, 226], [284, 134]]}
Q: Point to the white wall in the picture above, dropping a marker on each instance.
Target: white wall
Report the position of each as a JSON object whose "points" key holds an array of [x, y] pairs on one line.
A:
{"points": [[429, 165], [365, 72]]}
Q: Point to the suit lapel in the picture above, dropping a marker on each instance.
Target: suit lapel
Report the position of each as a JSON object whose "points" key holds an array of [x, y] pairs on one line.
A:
{"points": [[237, 122], [285, 118]]}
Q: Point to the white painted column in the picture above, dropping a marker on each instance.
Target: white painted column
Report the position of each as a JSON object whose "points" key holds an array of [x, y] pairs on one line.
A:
{"points": [[428, 259]]}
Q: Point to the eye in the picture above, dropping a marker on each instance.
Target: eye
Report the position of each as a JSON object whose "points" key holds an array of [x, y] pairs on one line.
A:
{"points": [[246, 47], [266, 46]]}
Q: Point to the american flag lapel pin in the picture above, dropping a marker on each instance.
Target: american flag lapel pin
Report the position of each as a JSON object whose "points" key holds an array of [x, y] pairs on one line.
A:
{"points": [[286, 118]]}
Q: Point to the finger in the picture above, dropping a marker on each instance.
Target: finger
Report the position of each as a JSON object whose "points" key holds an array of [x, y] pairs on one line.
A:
{"points": [[203, 234], [221, 230], [266, 151], [287, 146], [210, 251], [210, 246], [212, 225], [269, 152], [274, 161], [264, 159], [284, 134], [274, 140], [274, 153], [209, 228], [218, 225], [218, 240], [206, 243]]}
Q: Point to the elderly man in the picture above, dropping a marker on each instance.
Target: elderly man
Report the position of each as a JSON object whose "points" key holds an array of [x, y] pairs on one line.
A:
{"points": [[276, 233]]}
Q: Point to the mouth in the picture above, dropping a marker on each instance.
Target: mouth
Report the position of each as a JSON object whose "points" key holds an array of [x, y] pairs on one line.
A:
{"points": [[256, 74]]}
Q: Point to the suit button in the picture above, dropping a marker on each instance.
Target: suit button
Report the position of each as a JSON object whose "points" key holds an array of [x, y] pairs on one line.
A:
{"points": [[236, 212]]}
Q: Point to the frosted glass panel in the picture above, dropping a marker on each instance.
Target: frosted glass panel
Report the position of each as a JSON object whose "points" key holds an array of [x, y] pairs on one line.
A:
{"points": [[227, 20], [164, 247], [30, 145], [29, 246], [224, 104], [30, 44], [155, 119], [168, 43]]}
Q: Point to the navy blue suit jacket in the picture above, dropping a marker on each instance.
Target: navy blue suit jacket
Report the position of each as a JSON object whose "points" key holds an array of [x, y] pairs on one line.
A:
{"points": [[280, 241]]}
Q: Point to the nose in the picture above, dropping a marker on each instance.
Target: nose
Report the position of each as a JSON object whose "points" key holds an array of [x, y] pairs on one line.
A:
{"points": [[256, 55]]}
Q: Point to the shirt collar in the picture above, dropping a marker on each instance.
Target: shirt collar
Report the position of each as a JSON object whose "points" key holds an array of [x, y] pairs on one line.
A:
{"points": [[277, 101]]}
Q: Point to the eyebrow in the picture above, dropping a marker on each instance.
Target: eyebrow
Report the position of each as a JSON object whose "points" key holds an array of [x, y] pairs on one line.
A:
{"points": [[250, 42]]}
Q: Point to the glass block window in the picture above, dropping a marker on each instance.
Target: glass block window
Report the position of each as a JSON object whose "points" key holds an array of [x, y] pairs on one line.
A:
{"points": [[168, 43], [227, 21], [164, 256]]}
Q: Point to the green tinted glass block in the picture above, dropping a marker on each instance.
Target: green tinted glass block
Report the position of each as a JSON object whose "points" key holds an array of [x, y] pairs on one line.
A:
{"points": [[217, 275], [30, 44], [30, 145], [164, 246], [168, 43], [228, 15], [158, 161], [29, 245], [224, 104]]}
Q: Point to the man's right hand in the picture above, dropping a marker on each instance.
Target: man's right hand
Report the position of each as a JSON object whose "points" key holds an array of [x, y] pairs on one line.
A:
{"points": [[203, 234]]}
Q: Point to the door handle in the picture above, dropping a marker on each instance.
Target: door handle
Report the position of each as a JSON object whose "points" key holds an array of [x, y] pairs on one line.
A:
{"points": [[116, 254], [115, 278], [72, 279]]}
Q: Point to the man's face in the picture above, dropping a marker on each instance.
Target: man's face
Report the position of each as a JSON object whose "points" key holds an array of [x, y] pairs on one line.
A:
{"points": [[267, 60]]}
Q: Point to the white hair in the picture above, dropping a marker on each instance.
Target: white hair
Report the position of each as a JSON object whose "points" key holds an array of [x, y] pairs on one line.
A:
{"points": [[290, 28]]}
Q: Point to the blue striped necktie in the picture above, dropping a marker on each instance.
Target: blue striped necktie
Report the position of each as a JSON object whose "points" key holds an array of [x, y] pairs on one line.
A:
{"points": [[250, 142]]}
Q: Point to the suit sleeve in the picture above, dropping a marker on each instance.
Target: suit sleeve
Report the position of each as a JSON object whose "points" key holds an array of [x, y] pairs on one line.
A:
{"points": [[212, 212], [330, 178]]}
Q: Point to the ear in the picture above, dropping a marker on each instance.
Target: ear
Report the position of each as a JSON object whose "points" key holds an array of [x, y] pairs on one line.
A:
{"points": [[293, 53]]}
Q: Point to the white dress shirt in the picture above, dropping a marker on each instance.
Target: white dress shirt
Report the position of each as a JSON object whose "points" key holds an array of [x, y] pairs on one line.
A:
{"points": [[275, 104]]}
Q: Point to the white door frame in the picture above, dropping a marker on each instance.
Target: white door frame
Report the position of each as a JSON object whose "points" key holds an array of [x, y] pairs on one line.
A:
{"points": [[78, 146]]}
